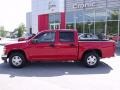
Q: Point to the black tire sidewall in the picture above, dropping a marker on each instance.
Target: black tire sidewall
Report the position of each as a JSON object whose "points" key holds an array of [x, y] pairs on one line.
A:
{"points": [[21, 56], [90, 54]]}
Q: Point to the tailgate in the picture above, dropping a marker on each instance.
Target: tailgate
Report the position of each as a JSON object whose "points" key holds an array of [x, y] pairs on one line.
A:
{"points": [[108, 49]]}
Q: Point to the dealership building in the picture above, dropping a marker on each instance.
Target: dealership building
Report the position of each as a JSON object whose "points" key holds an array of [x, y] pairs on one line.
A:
{"points": [[87, 16]]}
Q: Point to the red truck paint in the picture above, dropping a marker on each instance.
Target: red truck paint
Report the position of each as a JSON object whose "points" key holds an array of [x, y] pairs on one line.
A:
{"points": [[61, 51]]}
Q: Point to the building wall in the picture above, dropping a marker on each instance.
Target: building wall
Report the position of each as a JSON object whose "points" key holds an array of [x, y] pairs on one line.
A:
{"points": [[43, 7], [47, 6]]}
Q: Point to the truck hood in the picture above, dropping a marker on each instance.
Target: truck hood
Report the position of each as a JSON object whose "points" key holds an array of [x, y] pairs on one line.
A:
{"points": [[17, 45]]}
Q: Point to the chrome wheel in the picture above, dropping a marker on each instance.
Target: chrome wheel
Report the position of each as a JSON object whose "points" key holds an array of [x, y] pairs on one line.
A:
{"points": [[91, 60], [16, 60]]}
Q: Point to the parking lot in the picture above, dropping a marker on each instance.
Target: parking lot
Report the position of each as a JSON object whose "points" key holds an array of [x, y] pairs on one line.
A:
{"points": [[62, 76]]}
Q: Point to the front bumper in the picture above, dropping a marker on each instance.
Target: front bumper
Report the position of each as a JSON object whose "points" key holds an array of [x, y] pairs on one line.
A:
{"points": [[4, 58]]}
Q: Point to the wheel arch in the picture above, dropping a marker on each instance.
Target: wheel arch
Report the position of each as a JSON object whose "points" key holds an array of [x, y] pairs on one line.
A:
{"points": [[97, 51], [18, 51]]}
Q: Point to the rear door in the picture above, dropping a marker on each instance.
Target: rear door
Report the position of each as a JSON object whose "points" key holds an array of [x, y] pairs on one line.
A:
{"points": [[66, 46]]}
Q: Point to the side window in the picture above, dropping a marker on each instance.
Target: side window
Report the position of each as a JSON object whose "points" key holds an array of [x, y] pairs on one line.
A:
{"points": [[46, 37], [66, 37]]}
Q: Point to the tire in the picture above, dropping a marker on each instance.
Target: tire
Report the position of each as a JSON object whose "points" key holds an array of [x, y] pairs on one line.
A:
{"points": [[91, 60], [17, 60]]}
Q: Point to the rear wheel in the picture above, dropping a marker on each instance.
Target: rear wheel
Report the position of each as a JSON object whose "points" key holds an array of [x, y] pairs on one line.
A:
{"points": [[91, 60], [17, 60]]}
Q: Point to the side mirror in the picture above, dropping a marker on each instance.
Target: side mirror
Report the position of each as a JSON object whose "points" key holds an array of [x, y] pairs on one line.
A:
{"points": [[34, 41]]}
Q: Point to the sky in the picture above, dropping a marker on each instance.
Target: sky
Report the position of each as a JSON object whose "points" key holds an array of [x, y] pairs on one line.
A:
{"points": [[13, 12]]}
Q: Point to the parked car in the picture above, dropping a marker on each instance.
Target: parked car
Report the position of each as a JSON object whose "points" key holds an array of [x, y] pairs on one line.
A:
{"points": [[58, 45], [115, 38], [87, 36]]}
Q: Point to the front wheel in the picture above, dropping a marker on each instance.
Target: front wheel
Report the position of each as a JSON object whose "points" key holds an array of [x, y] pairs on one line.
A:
{"points": [[91, 60], [17, 60]]}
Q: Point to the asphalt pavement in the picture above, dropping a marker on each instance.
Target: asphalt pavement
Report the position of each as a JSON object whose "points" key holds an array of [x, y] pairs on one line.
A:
{"points": [[62, 76]]}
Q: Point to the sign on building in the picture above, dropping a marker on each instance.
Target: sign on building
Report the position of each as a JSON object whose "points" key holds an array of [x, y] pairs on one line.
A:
{"points": [[83, 5]]}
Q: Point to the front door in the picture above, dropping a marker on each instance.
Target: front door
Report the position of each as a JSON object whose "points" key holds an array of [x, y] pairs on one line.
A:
{"points": [[54, 26], [44, 49]]}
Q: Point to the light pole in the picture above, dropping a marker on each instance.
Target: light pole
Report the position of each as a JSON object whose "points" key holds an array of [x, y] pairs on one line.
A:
{"points": [[118, 27], [89, 26], [75, 23]]}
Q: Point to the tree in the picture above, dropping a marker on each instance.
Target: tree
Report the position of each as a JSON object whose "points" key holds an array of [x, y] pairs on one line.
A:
{"points": [[113, 22], [21, 29], [2, 31]]}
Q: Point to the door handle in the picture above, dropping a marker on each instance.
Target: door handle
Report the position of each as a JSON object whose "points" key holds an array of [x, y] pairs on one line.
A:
{"points": [[52, 45]]}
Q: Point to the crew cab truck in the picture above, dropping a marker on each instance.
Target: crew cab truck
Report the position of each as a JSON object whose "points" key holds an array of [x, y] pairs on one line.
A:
{"points": [[58, 45]]}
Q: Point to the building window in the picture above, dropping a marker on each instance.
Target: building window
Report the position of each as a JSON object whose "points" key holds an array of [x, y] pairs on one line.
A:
{"points": [[100, 15], [112, 27], [70, 17], [113, 14], [69, 26], [54, 18]]}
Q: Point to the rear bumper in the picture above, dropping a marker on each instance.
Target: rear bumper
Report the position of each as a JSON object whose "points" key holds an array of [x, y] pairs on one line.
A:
{"points": [[4, 58]]}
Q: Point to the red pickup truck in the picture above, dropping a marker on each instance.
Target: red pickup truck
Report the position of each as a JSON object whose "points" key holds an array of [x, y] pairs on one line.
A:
{"points": [[58, 45]]}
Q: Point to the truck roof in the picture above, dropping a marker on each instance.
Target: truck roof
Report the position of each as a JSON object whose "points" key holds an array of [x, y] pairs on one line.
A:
{"points": [[60, 30]]}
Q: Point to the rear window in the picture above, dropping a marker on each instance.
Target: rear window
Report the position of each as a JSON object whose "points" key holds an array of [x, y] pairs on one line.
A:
{"points": [[66, 37]]}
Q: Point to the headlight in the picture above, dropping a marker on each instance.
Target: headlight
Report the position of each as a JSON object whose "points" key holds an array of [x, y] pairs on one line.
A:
{"points": [[4, 50]]}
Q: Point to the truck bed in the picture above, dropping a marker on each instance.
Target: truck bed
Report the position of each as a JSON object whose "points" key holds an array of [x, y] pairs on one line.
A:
{"points": [[107, 47]]}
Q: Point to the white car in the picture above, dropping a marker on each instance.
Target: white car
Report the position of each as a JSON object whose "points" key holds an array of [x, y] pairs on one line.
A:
{"points": [[87, 36]]}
